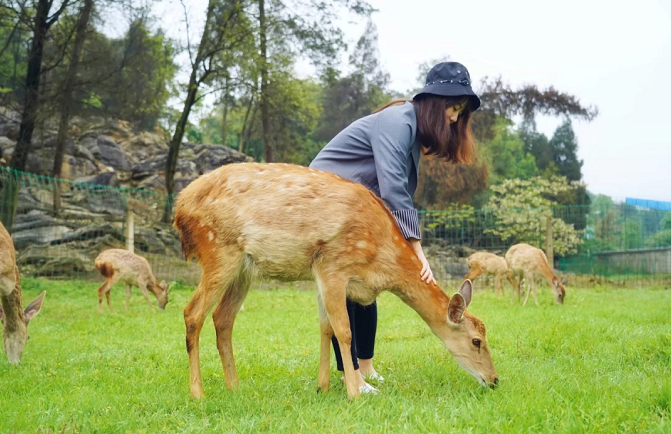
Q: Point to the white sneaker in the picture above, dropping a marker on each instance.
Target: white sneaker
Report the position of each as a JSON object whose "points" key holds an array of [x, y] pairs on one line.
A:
{"points": [[374, 376], [368, 389]]}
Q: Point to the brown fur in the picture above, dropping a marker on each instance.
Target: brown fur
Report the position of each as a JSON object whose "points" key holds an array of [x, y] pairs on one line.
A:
{"points": [[246, 220], [133, 270], [14, 318], [530, 263], [489, 264]]}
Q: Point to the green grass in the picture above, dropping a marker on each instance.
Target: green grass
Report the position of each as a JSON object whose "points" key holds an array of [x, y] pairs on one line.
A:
{"points": [[600, 363]]}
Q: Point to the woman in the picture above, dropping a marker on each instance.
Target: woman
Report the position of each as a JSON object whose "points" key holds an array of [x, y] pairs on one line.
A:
{"points": [[382, 152]]}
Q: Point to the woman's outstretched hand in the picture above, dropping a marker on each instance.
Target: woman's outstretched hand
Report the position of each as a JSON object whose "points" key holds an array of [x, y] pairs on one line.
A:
{"points": [[426, 274]]}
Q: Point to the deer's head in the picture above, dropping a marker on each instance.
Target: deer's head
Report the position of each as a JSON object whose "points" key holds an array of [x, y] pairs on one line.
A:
{"points": [[466, 338], [15, 326], [162, 294], [558, 290]]}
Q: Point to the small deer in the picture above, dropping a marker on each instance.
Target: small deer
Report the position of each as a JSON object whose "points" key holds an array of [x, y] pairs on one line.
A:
{"points": [[288, 222], [133, 270], [488, 263], [12, 315], [530, 263]]}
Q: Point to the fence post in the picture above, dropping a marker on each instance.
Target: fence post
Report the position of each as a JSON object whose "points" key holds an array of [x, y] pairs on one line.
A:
{"points": [[549, 238], [130, 229]]}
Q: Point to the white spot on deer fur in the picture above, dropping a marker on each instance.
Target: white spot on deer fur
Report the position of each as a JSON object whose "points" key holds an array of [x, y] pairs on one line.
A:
{"points": [[395, 238], [361, 244], [210, 236]]}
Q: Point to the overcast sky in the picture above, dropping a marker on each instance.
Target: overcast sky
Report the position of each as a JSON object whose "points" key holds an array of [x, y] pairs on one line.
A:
{"points": [[609, 53]]}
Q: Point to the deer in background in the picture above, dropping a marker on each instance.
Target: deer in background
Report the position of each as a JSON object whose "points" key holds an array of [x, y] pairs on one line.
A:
{"points": [[12, 315], [133, 270], [530, 263], [288, 222], [488, 263]]}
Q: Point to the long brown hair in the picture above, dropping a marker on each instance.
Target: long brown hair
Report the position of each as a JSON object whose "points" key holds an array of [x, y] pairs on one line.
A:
{"points": [[453, 142]]}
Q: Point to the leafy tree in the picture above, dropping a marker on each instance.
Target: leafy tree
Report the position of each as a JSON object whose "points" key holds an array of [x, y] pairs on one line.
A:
{"points": [[506, 156], [564, 148], [522, 208]]}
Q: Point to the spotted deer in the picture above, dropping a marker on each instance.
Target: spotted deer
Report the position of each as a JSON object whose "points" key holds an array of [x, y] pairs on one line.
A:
{"points": [[530, 263], [486, 263], [133, 270], [12, 315], [288, 222]]}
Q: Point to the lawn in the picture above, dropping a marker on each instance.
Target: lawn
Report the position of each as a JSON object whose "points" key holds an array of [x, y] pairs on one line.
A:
{"points": [[600, 363]]}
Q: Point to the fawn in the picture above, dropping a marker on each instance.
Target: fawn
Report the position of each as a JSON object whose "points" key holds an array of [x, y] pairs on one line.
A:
{"points": [[121, 265], [530, 263], [12, 315], [288, 222], [488, 263]]}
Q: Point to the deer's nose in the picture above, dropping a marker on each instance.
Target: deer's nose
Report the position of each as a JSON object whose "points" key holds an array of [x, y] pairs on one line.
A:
{"points": [[495, 383]]}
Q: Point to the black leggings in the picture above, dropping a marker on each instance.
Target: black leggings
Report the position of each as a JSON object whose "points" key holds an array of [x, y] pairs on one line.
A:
{"points": [[363, 324]]}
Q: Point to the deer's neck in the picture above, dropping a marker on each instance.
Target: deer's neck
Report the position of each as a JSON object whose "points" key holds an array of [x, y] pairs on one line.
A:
{"points": [[12, 309], [429, 301]]}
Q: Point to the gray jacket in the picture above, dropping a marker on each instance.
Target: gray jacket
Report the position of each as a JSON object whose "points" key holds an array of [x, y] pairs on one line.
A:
{"points": [[381, 152]]}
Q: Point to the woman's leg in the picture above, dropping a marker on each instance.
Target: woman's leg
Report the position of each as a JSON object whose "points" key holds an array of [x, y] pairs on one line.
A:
{"points": [[365, 331]]}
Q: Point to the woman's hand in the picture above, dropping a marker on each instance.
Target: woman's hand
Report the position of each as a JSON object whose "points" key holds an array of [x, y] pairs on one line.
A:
{"points": [[426, 274]]}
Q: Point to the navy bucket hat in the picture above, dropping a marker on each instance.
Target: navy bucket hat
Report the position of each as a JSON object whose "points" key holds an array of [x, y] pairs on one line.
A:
{"points": [[450, 79]]}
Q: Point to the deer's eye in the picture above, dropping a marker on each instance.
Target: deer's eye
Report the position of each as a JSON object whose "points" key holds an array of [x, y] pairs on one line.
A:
{"points": [[476, 342]]}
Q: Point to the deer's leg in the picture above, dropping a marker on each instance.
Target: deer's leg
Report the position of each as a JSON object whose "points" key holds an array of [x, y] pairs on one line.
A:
{"points": [[498, 285], [145, 293], [104, 290], [533, 288], [224, 317], [128, 290], [217, 275], [528, 289], [332, 291], [326, 332]]}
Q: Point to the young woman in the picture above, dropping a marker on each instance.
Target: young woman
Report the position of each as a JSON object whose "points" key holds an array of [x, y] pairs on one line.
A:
{"points": [[382, 151]]}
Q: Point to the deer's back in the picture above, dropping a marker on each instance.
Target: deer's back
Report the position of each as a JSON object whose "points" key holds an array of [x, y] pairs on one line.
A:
{"points": [[282, 216], [127, 266], [489, 262], [8, 271], [526, 258]]}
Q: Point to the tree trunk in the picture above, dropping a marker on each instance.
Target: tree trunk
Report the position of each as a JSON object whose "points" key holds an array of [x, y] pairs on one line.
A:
{"points": [[224, 125], [66, 98], [244, 123], [265, 120], [249, 128], [176, 142], [10, 193]]}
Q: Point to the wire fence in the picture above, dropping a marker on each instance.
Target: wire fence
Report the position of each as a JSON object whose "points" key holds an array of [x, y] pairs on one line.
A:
{"points": [[605, 242]]}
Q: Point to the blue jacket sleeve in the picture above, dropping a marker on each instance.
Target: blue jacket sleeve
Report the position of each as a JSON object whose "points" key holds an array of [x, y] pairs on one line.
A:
{"points": [[391, 142]]}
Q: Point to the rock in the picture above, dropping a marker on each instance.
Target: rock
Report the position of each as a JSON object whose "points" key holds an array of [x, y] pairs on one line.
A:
{"points": [[106, 178], [111, 154], [65, 267], [91, 232], [146, 240], [6, 144], [39, 235], [213, 157]]}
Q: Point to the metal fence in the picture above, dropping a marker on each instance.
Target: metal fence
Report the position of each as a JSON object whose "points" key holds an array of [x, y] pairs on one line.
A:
{"points": [[604, 242]]}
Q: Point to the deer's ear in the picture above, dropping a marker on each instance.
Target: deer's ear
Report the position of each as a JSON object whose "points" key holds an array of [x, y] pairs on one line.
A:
{"points": [[466, 291], [456, 308], [34, 308], [554, 280]]}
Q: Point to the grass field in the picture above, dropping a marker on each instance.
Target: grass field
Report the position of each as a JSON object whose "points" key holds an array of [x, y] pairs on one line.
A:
{"points": [[600, 363]]}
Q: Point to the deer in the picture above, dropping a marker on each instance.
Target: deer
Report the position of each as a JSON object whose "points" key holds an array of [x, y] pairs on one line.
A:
{"points": [[488, 263], [530, 263], [286, 222], [14, 318], [133, 270]]}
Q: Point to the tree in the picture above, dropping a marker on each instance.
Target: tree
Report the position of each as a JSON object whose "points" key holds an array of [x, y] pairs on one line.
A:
{"points": [[40, 22], [356, 95], [522, 207], [505, 155], [226, 26], [564, 148], [66, 96]]}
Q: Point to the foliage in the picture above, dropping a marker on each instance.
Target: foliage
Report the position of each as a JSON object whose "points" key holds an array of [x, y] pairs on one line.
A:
{"points": [[580, 367], [506, 156], [522, 208]]}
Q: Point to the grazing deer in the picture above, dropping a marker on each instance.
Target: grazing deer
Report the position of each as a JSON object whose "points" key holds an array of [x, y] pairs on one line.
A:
{"points": [[488, 263], [12, 315], [288, 222], [530, 263], [121, 265]]}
